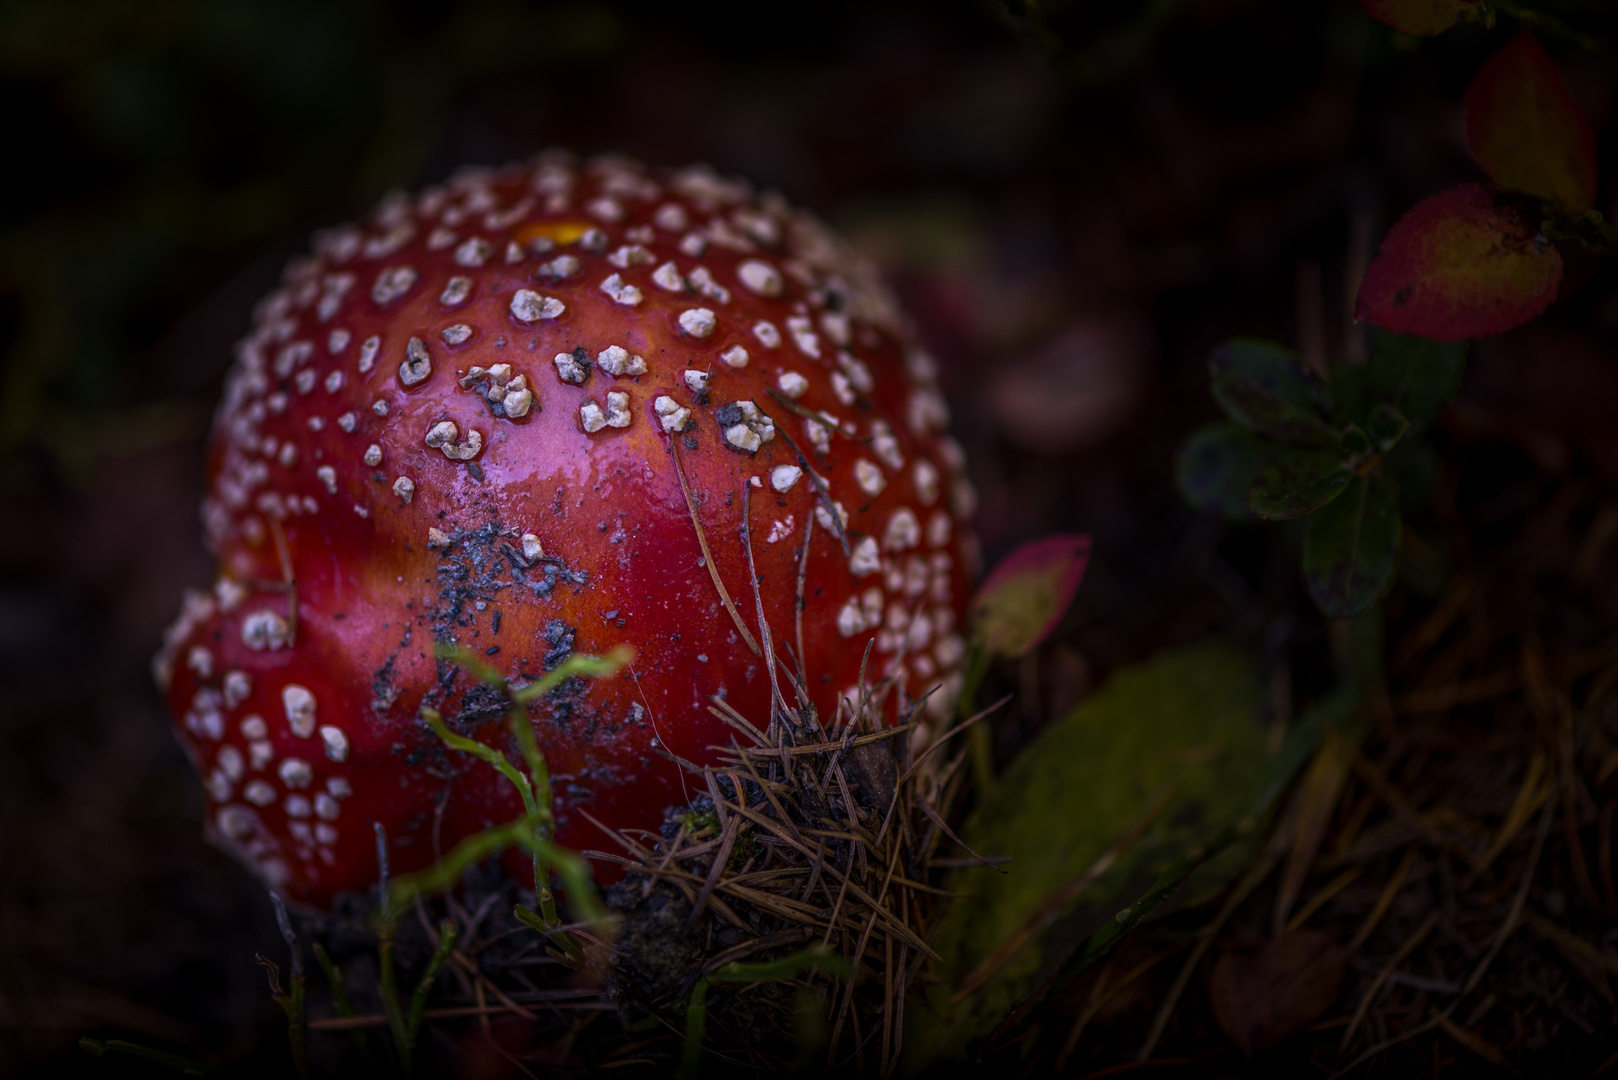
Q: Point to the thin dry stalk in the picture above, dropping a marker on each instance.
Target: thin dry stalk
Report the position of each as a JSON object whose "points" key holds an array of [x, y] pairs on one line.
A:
{"points": [[707, 555]]}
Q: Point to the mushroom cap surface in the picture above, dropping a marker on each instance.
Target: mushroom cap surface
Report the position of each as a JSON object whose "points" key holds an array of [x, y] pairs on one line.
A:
{"points": [[466, 421]]}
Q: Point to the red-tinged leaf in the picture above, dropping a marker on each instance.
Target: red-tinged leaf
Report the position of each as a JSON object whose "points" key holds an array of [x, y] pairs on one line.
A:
{"points": [[1424, 18], [1525, 129], [1028, 593], [1462, 264]]}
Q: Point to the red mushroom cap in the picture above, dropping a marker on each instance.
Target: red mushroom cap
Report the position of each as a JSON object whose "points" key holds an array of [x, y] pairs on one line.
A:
{"points": [[467, 422]]}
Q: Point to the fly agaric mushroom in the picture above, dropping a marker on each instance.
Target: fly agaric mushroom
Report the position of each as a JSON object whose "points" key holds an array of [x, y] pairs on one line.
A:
{"points": [[496, 415]]}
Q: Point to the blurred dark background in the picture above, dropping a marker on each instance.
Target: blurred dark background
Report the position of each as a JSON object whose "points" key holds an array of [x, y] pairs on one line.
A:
{"points": [[1075, 207]]}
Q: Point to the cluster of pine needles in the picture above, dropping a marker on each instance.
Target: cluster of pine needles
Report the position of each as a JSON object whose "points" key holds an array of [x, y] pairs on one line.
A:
{"points": [[776, 923], [818, 848]]}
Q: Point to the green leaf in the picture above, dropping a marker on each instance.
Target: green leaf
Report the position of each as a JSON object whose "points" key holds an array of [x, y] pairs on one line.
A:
{"points": [[1355, 441], [1024, 598], [1387, 426], [1352, 548], [1269, 391], [1298, 482], [1170, 750], [1284, 764], [1216, 467], [1415, 375], [1348, 391]]}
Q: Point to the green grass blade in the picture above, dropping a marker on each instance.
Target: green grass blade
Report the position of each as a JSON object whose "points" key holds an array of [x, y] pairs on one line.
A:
{"points": [[483, 753], [817, 957], [404, 888], [418, 1001], [388, 987], [596, 667], [466, 658], [98, 1047], [339, 996], [696, 1027]]}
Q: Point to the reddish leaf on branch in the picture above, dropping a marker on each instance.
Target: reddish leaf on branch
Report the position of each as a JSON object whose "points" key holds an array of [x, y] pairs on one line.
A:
{"points": [[1462, 264], [1028, 593], [1525, 129], [1424, 18]]}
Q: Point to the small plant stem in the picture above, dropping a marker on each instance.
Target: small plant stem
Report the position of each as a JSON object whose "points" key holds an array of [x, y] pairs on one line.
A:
{"points": [[539, 773], [572, 952], [339, 997], [536, 828], [297, 1031], [543, 895], [534, 788], [539, 776], [97, 1047], [388, 986], [293, 1004], [478, 750], [696, 1027], [814, 958], [418, 1001]]}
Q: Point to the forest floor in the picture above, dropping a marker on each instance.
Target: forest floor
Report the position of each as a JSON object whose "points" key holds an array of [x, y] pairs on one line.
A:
{"points": [[1072, 245]]}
